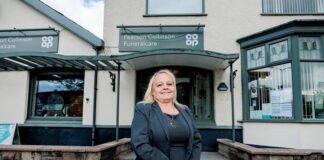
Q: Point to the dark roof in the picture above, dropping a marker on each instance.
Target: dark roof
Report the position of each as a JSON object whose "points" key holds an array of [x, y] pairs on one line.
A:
{"points": [[285, 29], [59, 18], [29, 61]]}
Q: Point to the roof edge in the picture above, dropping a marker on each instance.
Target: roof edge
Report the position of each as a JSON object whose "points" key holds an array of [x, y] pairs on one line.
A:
{"points": [[296, 22], [67, 23]]}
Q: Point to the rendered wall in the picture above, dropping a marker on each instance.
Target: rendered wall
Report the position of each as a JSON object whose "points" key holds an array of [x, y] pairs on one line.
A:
{"points": [[14, 86], [226, 21], [17, 14], [13, 96], [288, 135]]}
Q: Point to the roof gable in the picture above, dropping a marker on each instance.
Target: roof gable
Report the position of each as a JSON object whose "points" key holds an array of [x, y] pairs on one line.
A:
{"points": [[73, 27]]}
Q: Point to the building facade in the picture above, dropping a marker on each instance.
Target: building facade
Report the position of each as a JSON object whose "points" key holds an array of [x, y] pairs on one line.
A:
{"points": [[271, 49]]}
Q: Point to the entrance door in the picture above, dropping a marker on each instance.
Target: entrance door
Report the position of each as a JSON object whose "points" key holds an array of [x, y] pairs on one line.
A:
{"points": [[194, 89]]}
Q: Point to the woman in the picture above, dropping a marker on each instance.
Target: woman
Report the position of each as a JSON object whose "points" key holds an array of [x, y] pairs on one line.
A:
{"points": [[162, 128]]}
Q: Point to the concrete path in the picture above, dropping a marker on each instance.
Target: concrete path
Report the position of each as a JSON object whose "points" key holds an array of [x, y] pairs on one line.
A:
{"points": [[204, 156]]}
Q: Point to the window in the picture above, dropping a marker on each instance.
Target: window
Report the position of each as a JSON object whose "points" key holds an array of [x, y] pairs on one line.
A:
{"points": [[57, 94], [309, 48], [270, 92], [256, 57], [164, 7], [279, 51], [312, 87], [293, 6]]}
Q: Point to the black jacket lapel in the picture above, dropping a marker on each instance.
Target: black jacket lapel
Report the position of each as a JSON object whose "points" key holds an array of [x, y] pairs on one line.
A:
{"points": [[159, 114]]}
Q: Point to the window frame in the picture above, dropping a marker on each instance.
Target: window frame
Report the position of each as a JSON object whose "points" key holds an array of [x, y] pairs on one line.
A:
{"points": [[269, 13], [32, 98], [173, 14], [268, 63]]}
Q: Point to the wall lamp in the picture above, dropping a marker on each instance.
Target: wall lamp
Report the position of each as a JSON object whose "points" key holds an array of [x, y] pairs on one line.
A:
{"points": [[222, 87], [113, 80]]}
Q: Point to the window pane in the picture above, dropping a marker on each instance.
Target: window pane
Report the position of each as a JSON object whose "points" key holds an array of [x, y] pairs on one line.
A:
{"points": [[59, 95], [309, 48], [293, 6], [279, 51], [256, 57], [270, 93], [312, 86], [175, 7]]}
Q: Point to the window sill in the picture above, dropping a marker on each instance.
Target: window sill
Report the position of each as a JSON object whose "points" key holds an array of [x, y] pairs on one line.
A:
{"points": [[174, 15], [52, 122], [284, 121]]}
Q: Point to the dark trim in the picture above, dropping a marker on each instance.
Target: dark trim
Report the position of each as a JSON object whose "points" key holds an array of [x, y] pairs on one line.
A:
{"points": [[230, 56], [149, 26], [283, 30], [295, 74], [284, 121], [175, 15]]}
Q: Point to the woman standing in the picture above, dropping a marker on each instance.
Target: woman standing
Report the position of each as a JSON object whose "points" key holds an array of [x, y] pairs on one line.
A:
{"points": [[162, 128]]}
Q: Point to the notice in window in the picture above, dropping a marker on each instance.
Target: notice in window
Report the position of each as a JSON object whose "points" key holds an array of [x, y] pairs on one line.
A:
{"points": [[256, 114]]}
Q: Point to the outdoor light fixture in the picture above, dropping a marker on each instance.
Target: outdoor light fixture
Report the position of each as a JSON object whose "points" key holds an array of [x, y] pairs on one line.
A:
{"points": [[113, 80], [222, 87]]}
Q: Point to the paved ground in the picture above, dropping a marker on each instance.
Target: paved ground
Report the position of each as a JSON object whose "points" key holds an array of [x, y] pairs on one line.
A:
{"points": [[204, 156]]}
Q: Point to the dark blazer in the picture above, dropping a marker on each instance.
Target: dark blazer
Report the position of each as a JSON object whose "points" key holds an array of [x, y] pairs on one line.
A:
{"points": [[149, 133]]}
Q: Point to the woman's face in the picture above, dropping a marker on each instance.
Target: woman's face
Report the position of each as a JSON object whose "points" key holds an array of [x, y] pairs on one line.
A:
{"points": [[163, 88]]}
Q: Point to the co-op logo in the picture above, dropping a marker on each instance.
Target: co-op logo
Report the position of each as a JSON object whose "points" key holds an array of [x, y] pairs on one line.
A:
{"points": [[47, 41], [191, 39]]}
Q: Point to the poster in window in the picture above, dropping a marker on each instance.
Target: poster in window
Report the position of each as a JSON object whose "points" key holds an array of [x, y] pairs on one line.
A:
{"points": [[279, 51], [256, 57], [256, 114], [253, 88], [7, 132], [266, 110]]}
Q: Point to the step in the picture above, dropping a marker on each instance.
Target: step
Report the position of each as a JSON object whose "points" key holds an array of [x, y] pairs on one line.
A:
{"points": [[204, 156]]}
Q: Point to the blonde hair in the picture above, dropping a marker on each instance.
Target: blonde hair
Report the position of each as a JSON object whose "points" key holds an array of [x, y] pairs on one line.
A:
{"points": [[148, 97]]}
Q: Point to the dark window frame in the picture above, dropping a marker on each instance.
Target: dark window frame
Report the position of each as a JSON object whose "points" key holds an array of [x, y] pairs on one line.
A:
{"points": [[32, 93]]}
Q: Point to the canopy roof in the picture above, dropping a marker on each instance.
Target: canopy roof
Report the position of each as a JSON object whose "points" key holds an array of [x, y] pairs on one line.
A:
{"points": [[28, 61], [137, 61], [176, 57]]}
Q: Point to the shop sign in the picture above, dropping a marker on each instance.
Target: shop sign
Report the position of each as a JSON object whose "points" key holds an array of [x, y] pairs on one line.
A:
{"points": [[150, 38], [28, 43]]}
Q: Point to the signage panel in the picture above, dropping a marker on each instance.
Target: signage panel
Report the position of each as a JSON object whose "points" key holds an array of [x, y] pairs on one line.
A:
{"points": [[31, 42], [7, 132], [149, 38]]}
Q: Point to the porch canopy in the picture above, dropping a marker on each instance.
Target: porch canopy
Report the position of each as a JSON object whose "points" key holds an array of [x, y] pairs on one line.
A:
{"points": [[176, 57], [29, 61]]}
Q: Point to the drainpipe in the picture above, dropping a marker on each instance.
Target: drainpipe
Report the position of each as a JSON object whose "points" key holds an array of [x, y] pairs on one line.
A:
{"points": [[232, 99], [94, 114]]}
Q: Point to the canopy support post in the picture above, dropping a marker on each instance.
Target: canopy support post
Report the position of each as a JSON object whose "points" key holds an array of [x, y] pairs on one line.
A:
{"points": [[232, 99], [118, 92]]}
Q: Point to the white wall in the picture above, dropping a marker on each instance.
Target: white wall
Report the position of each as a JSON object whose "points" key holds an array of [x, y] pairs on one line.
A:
{"points": [[13, 96], [226, 21], [289, 135], [14, 86], [17, 14], [107, 99]]}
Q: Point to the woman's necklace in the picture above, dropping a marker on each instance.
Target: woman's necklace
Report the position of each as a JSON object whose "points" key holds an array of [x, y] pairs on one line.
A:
{"points": [[172, 118]]}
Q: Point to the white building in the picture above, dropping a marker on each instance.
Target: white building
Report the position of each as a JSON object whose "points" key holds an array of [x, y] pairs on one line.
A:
{"points": [[278, 90]]}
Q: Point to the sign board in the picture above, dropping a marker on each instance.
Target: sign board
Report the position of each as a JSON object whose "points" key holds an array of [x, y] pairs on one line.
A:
{"points": [[29, 41], [7, 132], [150, 38]]}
